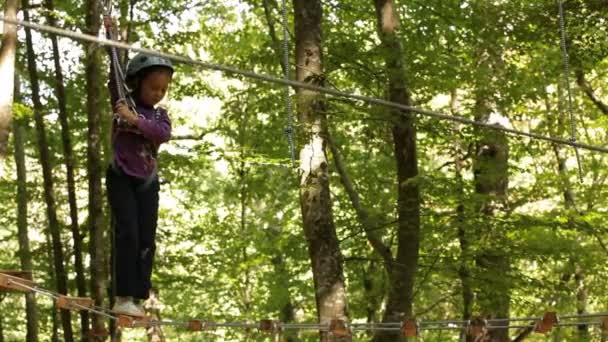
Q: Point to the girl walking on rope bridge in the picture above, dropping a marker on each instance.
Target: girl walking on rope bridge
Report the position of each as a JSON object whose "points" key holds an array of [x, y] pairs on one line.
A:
{"points": [[138, 129]]}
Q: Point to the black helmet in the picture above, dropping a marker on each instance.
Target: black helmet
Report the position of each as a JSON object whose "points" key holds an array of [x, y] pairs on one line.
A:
{"points": [[142, 61]]}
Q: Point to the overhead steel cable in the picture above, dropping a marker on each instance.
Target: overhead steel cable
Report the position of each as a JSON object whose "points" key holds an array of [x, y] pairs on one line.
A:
{"points": [[272, 79]]}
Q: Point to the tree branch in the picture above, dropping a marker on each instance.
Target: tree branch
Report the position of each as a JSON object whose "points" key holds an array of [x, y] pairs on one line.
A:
{"points": [[194, 137], [584, 84], [362, 213], [272, 32]]}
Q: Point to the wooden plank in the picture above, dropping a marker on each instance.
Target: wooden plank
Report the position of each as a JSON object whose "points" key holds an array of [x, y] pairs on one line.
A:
{"points": [[74, 303], [10, 281]]}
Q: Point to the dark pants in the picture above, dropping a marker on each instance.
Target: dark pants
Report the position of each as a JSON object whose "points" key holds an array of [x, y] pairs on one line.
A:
{"points": [[134, 204]]}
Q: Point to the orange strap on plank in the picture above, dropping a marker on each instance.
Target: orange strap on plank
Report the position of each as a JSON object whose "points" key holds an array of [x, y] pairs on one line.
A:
{"points": [[409, 327], [270, 326], [547, 323], [197, 325], [339, 328]]}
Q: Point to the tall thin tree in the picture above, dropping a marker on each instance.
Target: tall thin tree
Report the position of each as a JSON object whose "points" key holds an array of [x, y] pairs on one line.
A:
{"points": [[68, 154], [287, 313], [315, 201], [94, 164], [464, 270], [49, 197], [25, 255], [402, 273], [490, 169], [557, 125]]}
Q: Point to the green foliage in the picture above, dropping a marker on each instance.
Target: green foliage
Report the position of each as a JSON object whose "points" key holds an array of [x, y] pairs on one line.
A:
{"points": [[230, 244]]}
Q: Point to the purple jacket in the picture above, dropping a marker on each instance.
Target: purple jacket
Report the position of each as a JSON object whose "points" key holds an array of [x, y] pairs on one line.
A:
{"points": [[135, 148]]}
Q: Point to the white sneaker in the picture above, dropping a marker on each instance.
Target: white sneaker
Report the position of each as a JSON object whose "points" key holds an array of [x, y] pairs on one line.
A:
{"points": [[127, 307]]}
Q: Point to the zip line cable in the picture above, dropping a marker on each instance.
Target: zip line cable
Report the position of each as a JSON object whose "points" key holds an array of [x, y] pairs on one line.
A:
{"points": [[271, 79], [566, 58]]}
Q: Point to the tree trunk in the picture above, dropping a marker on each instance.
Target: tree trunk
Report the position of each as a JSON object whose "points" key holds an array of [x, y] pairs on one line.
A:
{"points": [[569, 202], [25, 256], [287, 312], [581, 302], [374, 291], [319, 228], [7, 73], [53, 225], [52, 278], [94, 165], [464, 270], [69, 164], [243, 195], [491, 179], [402, 273]]}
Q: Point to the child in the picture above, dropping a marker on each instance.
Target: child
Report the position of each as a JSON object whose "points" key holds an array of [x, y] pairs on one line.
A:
{"points": [[131, 180]]}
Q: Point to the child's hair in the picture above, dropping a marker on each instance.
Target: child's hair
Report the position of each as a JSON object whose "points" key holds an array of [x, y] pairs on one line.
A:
{"points": [[141, 66]]}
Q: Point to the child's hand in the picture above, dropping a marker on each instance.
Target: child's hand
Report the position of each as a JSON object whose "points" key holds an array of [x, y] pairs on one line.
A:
{"points": [[107, 22], [125, 113]]}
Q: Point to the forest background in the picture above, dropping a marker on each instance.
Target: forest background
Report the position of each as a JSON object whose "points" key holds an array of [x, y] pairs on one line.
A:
{"points": [[387, 215]]}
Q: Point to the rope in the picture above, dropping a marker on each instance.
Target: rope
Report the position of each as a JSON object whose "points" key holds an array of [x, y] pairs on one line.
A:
{"points": [[117, 70], [329, 91], [382, 326], [289, 129], [562, 28], [56, 296]]}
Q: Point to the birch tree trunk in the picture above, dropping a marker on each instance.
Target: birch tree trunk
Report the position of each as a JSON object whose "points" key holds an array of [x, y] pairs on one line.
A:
{"points": [[51, 207], [94, 164], [401, 278], [7, 74], [315, 201], [69, 165]]}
